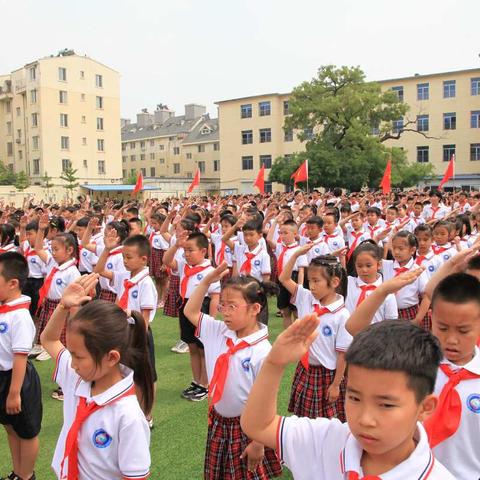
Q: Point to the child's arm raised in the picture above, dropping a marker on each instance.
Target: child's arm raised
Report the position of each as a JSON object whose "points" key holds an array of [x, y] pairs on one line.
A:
{"points": [[169, 256], [42, 226], [286, 275], [111, 241], [232, 230], [259, 418]]}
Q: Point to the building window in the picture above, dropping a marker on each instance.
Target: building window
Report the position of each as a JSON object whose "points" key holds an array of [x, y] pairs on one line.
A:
{"points": [[142, 156], [286, 108], [9, 149], [397, 125], [19, 134], [266, 160], [423, 91], [65, 164], [63, 120], [144, 171], [161, 161], [99, 123], [152, 143], [264, 109], [422, 123], [9, 128], [448, 151], [474, 152], [101, 167], [161, 147], [19, 112], [189, 156], [124, 159], [475, 86], [450, 121], [84, 119], [152, 156], [201, 148], [132, 158], [8, 107], [82, 74], [65, 143], [399, 91], [247, 137], [268, 187], [62, 96], [265, 135], [142, 145], [475, 119], [84, 140], [124, 147], [85, 163], [422, 154], [247, 163], [35, 142], [176, 150], [36, 166], [33, 73], [133, 172], [34, 119], [308, 132], [449, 87], [124, 173], [33, 96], [132, 145], [216, 165], [99, 102], [99, 81], [216, 147], [288, 136], [176, 168], [82, 97], [201, 166], [100, 144], [20, 154], [152, 171], [62, 74], [246, 110]]}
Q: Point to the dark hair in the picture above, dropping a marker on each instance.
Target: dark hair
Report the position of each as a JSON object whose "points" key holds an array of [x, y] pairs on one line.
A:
{"points": [[458, 288], [58, 223], [331, 267], [436, 193], [158, 217], [290, 223], [409, 237], [188, 225], [200, 239], [393, 207], [443, 223], [252, 290], [136, 220], [83, 222], [399, 346], [133, 210], [463, 221], [315, 220], [33, 226], [332, 213], [7, 234], [122, 229], [69, 241], [423, 228], [252, 226], [474, 263], [368, 246], [229, 219], [14, 266], [374, 210], [195, 218], [139, 241], [104, 327]]}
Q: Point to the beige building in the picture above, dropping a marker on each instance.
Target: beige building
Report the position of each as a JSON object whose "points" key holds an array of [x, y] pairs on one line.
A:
{"points": [[445, 107], [163, 146], [62, 111]]}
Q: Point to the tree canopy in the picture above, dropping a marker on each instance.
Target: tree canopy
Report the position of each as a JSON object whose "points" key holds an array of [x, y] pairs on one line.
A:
{"points": [[345, 121]]}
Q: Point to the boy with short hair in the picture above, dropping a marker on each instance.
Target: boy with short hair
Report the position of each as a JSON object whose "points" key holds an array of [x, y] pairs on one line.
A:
{"points": [[314, 234], [374, 223]]}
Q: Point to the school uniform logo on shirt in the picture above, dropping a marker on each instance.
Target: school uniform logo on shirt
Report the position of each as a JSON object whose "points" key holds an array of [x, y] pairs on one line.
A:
{"points": [[33, 260], [431, 268], [256, 263], [473, 402], [58, 281], [317, 250], [101, 439], [84, 254], [327, 331], [246, 364], [3, 327], [335, 244], [135, 294], [109, 266], [446, 256], [199, 276], [227, 250]]}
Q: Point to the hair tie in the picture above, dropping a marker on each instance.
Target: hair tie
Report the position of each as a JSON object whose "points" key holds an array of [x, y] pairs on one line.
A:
{"points": [[131, 320]]}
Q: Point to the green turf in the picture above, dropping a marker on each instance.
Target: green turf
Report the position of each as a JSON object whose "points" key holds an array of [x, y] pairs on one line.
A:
{"points": [[178, 439]]}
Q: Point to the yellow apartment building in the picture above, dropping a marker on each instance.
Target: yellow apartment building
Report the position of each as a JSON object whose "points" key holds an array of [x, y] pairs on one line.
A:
{"points": [[445, 107], [62, 111], [168, 148]]}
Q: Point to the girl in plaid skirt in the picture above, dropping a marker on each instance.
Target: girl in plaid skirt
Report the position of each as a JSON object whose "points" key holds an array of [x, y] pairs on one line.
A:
{"points": [[318, 388], [234, 353]]}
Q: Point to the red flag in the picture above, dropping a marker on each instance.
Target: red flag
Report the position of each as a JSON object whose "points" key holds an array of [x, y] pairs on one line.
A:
{"points": [[449, 172], [300, 174], [139, 184], [195, 182], [260, 180], [387, 178]]}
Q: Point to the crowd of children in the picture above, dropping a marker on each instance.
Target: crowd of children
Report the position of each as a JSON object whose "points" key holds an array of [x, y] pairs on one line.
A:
{"points": [[379, 299]]}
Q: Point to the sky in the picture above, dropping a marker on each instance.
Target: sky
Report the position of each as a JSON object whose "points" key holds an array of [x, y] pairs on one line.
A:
{"points": [[201, 51]]}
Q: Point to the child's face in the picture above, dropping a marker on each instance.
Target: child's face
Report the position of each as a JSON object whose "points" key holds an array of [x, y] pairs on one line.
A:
{"points": [[80, 232], [329, 224], [287, 234], [236, 312], [417, 210], [457, 327], [402, 212], [135, 229], [155, 225], [434, 200], [372, 219], [441, 235], [251, 238], [401, 250], [193, 253], [367, 267], [31, 237], [424, 242], [225, 225], [313, 231], [7, 287], [60, 252], [132, 259], [382, 411], [318, 283], [357, 222], [391, 215], [129, 215], [305, 214]]}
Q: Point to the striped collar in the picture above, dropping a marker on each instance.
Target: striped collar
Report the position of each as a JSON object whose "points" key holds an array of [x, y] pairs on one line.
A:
{"points": [[252, 339]]}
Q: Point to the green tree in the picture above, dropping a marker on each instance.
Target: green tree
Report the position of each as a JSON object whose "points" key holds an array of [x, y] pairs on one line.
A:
{"points": [[344, 122], [22, 181], [7, 176], [131, 179], [70, 179]]}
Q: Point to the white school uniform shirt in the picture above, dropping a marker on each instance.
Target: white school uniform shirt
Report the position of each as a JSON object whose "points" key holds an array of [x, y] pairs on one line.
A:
{"points": [[417, 220], [409, 295], [301, 261], [376, 229], [334, 241], [157, 241], [429, 213], [8, 248], [387, 311], [114, 264], [459, 453], [323, 448], [244, 365], [114, 441], [143, 296], [17, 332], [260, 263], [409, 226], [67, 273], [262, 241], [87, 260], [431, 262], [332, 335], [464, 208], [216, 239], [36, 267], [364, 235], [319, 248], [99, 242], [445, 255], [194, 280]]}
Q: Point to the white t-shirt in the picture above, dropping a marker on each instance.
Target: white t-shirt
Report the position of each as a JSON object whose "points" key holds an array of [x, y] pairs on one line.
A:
{"points": [[67, 273], [114, 264], [300, 262], [36, 267], [319, 248], [194, 280], [260, 263]]}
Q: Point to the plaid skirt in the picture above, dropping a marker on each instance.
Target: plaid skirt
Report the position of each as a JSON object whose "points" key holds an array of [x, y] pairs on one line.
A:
{"points": [[427, 321], [173, 297], [408, 313], [308, 396], [44, 313], [225, 443], [273, 265], [156, 262], [107, 295]]}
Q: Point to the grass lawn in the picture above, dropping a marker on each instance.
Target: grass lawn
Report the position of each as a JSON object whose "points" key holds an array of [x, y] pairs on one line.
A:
{"points": [[178, 439]]}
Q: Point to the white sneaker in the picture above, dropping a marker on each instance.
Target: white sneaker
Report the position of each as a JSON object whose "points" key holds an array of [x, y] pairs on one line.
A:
{"points": [[35, 351], [43, 356], [183, 348], [178, 347]]}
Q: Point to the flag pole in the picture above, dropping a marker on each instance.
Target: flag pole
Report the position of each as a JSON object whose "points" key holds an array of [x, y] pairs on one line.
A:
{"points": [[308, 191], [453, 179]]}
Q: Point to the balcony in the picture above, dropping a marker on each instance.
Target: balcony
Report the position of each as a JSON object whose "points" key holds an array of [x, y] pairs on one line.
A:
{"points": [[6, 91], [20, 86]]}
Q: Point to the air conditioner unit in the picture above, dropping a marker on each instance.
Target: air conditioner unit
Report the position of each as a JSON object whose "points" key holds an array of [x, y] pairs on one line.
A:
{"points": [[18, 140]]}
